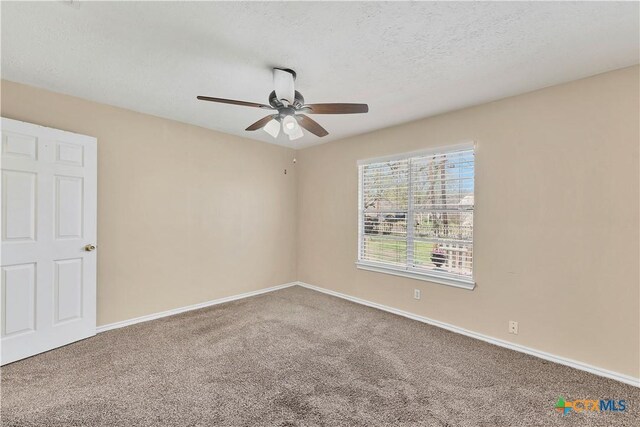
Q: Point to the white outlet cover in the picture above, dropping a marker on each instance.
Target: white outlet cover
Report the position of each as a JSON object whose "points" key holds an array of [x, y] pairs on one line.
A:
{"points": [[513, 327], [416, 293]]}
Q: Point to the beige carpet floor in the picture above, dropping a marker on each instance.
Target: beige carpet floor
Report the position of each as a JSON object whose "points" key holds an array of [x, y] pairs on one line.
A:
{"points": [[296, 357]]}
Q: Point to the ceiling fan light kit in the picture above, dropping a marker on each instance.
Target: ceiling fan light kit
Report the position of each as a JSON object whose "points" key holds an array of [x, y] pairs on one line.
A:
{"points": [[289, 124], [296, 133], [272, 128], [291, 109]]}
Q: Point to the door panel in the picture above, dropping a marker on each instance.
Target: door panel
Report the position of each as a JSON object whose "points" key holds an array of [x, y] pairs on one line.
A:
{"points": [[69, 207], [48, 217], [70, 154], [18, 205], [18, 288], [15, 145], [68, 289]]}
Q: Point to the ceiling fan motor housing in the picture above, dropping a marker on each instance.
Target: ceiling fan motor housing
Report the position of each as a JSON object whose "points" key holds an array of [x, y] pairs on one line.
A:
{"points": [[286, 111], [275, 102]]}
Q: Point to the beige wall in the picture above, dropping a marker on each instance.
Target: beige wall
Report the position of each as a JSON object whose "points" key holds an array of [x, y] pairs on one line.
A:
{"points": [[185, 214], [556, 223]]}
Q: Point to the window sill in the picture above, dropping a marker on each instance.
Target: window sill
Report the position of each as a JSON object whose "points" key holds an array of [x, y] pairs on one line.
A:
{"points": [[428, 277]]}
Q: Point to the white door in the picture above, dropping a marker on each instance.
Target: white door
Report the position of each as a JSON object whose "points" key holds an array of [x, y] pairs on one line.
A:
{"points": [[48, 235]]}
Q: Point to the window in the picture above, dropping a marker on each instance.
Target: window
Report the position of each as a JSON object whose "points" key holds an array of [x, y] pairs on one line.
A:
{"points": [[416, 215]]}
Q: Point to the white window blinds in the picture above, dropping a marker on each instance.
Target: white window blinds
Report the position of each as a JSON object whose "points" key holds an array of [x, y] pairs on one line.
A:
{"points": [[416, 213]]}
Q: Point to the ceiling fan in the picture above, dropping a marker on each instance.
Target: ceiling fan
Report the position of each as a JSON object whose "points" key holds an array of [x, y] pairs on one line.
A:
{"points": [[290, 109]]}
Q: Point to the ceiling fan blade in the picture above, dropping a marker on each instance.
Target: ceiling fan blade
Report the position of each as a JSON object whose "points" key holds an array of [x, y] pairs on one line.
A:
{"points": [[261, 123], [335, 108], [311, 125], [234, 102], [283, 84]]}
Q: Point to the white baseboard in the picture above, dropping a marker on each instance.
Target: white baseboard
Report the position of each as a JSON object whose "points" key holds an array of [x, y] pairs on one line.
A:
{"points": [[173, 311], [516, 347]]}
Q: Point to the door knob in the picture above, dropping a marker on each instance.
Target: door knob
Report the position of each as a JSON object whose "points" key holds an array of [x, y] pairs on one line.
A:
{"points": [[90, 247]]}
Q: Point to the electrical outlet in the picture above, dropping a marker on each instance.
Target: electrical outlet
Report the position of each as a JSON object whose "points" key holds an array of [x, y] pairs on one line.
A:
{"points": [[416, 293], [513, 327]]}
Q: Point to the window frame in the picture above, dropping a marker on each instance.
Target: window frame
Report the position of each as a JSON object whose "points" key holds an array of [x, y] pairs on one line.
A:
{"points": [[408, 270]]}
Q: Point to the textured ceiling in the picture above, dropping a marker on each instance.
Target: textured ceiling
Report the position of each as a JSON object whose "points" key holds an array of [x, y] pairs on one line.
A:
{"points": [[406, 60]]}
